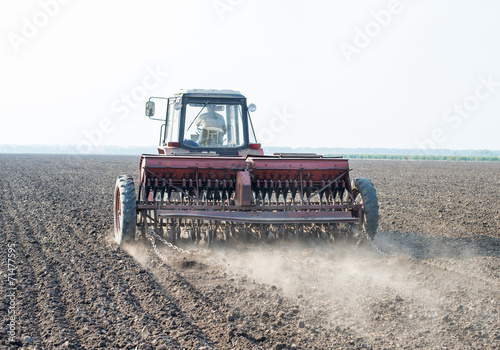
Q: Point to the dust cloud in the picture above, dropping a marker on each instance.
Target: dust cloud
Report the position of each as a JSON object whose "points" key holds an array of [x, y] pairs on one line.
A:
{"points": [[357, 289], [138, 251], [417, 293]]}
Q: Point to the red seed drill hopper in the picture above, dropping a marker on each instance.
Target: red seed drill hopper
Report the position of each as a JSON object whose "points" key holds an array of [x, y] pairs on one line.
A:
{"points": [[211, 181]]}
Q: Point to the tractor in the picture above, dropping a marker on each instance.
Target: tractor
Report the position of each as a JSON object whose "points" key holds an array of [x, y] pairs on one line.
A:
{"points": [[211, 182]]}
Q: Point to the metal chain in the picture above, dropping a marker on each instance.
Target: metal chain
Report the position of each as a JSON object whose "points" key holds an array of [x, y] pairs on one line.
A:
{"points": [[152, 235], [173, 246], [376, 248], [155, 248], [358, 243]]}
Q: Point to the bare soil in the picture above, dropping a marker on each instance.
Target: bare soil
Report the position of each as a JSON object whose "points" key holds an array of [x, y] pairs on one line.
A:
{"points": [[436, 285]]}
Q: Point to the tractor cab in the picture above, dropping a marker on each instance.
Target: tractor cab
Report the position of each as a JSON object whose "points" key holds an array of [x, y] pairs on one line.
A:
{"points": [[206, 122]]}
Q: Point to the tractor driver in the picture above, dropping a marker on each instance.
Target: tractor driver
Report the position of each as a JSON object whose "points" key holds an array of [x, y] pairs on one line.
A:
{"points": [[211, 127]]}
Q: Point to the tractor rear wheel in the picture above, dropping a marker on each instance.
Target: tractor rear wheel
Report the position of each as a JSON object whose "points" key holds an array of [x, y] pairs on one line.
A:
{"points": [[125, 214], [364, 192]]}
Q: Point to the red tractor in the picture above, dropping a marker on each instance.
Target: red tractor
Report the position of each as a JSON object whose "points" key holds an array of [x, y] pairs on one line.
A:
{"points": [[211, 181]]}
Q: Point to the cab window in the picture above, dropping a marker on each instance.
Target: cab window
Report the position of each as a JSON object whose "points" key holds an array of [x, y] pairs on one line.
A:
{"points": [[210, 125], [172, 128]]}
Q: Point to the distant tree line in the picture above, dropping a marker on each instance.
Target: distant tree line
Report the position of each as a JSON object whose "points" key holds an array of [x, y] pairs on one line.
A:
{"points": [[423, 157], [386, 151]]}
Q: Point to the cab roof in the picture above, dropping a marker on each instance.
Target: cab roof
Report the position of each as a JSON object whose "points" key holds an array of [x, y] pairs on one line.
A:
{"points": [[210, 93]]}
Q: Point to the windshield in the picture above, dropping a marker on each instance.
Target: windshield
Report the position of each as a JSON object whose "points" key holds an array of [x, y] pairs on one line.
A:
{"points": [[213, 125]]}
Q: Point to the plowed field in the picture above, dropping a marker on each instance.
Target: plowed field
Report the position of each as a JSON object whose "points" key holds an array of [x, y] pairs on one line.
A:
{"points": [[66, 284]]}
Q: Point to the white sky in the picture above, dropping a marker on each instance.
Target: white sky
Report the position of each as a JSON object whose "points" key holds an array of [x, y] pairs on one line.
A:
{"points": [[68, 67]]}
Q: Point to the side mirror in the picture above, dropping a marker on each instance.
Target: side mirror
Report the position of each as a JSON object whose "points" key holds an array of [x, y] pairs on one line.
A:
{"points": [[252, 107], [150, 108]]}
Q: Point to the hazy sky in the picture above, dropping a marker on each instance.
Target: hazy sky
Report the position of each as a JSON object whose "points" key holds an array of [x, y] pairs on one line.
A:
{"points": [[399, 74]]}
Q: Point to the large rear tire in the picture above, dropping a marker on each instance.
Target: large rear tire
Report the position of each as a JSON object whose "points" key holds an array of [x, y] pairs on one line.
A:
{"points": [[125, 213], [364, 192]]}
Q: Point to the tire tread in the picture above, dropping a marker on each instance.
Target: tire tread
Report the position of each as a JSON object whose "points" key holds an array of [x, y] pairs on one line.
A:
{"points": [[370, 202], [125, 185]]}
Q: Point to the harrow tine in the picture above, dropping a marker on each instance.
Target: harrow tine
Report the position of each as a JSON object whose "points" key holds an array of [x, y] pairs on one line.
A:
{"points": [[278, 192], [264, 193], [270, 191], [285, 191]]}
